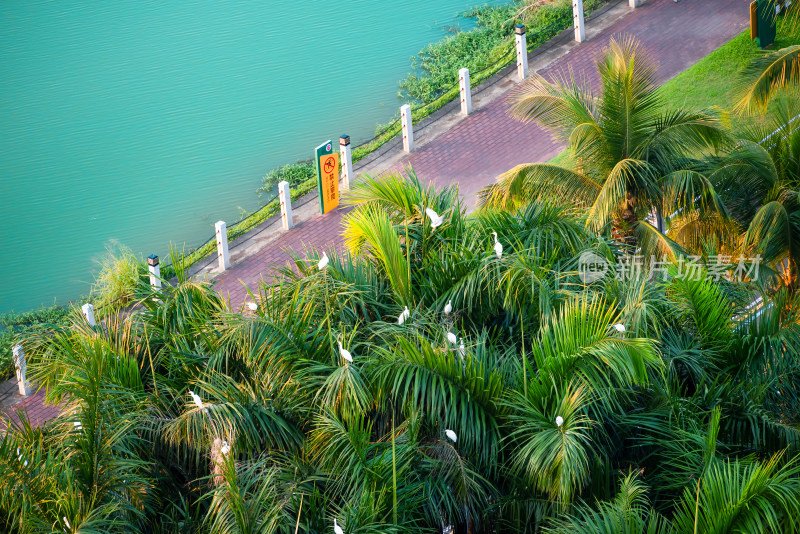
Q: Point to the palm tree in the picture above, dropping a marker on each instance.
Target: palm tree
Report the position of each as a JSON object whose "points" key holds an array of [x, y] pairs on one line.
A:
{"points": [[759, 181], [633, 158]]}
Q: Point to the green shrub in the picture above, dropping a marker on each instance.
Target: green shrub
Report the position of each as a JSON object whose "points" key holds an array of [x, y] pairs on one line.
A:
{"points": [[294, 173]]}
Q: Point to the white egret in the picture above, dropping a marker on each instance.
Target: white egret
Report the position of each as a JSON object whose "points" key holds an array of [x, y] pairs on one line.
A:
{"points": [[451, 337], [448, 307], [462, 350], [559, 421], [196, 398], [498, 246], [403, 316], [436, 219], [344, 352], [451, 435], [619, 327], [252, 305], [336, 528], [323, 262], [225, 449]]}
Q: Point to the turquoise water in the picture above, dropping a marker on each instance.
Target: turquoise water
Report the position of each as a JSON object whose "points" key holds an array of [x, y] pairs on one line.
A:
{"points": [[145, 122]]}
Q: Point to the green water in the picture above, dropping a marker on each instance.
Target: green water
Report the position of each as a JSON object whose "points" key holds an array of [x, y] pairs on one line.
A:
{"points": [[145, 122]]}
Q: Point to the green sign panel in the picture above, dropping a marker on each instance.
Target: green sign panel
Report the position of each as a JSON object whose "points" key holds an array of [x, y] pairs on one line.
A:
{"points": [[322, 150], [767, 15]]}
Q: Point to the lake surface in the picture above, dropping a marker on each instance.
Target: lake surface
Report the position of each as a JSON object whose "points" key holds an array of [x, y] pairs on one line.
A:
{"points": [[145, 122]]}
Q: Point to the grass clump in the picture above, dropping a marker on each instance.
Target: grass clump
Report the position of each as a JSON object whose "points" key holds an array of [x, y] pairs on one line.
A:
{"points": [[119, 275]]}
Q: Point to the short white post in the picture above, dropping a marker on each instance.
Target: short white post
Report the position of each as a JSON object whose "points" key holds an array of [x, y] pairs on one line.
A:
{"points": [[88, 314], [633, 3], [577, 12], [285, 195], [222, 245], [466, 95], [21, 367], [155, 271], [346, 159], [522, 51], [408, 128]]}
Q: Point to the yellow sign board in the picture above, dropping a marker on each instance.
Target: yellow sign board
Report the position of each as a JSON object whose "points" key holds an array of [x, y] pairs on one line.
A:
{"points": [[329, 181]]}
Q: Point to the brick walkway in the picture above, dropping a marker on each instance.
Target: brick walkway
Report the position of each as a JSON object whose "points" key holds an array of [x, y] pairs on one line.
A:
{"points": [[488, 142], [34, 406]]}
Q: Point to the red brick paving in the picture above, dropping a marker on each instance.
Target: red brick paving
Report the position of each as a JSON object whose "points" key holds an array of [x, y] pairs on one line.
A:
{"points": [[487, 143], [34, 406]]}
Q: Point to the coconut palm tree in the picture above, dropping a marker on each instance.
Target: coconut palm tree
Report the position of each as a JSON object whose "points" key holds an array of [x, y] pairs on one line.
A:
{"points": [[759, 181], [633, 158]]}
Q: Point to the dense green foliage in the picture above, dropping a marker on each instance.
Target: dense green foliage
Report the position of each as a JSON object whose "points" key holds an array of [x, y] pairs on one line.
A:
{"points": [[562, 419]]}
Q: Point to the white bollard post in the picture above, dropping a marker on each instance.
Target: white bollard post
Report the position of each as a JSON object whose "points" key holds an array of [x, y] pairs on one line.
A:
{"points": [[522, 51], [633, 3], [21, 367], [408, 128], [346, 158], [285, 195], [466, 96], [88, 314], [222, 245], [155, 271], [577, 12]]}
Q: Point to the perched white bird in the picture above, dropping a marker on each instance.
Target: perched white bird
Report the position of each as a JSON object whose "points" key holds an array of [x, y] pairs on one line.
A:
{"points": [[196, 398], [225, 449], [498, 246], [462, 350], [451, 337], [403, 316], [559, 421], [448, 307], [436, 219], [344, 352], [252, 305], [451, 435], [323, 262], [336, 528], [619, 327]]}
